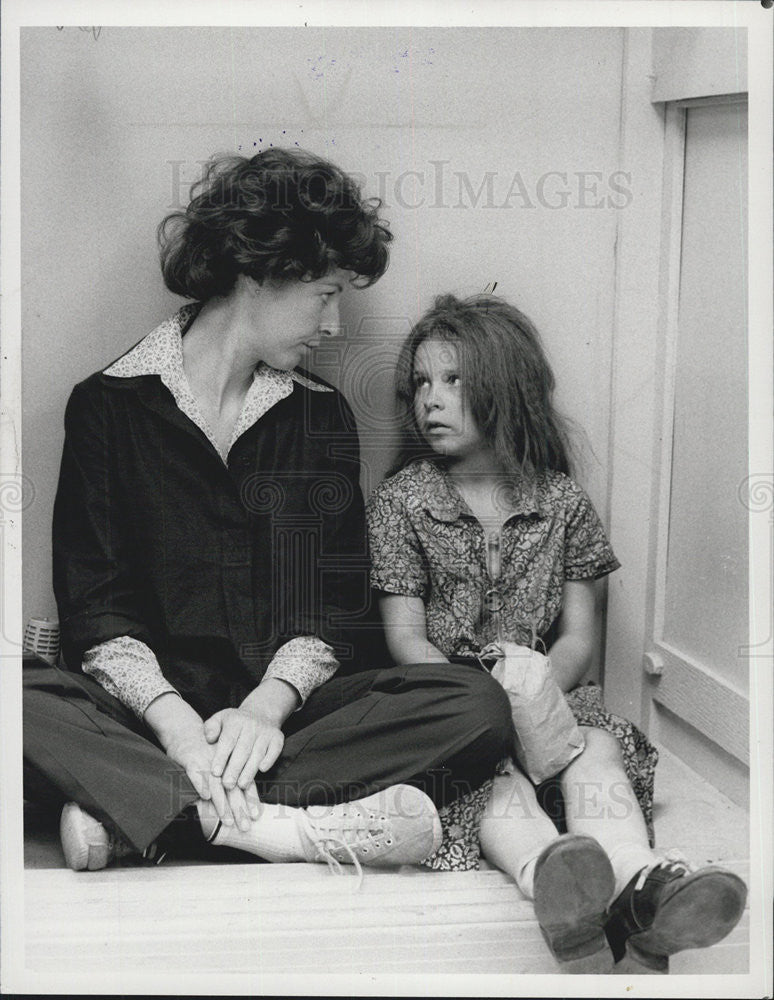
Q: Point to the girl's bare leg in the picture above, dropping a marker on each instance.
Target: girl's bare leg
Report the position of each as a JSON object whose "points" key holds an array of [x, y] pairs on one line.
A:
{"points": [[569, 878], [600, 802], [514, 829], [665, 911]]}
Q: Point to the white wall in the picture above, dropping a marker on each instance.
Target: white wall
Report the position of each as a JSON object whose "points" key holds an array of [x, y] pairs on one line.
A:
{"points": [[698, 62], [103, 122]]}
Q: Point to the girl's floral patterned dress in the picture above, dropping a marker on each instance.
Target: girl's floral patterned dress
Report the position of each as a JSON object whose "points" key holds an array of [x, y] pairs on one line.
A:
{"points": [[425, 542]]}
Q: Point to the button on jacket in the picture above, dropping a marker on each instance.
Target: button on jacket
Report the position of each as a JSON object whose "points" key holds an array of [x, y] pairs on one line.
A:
{"points": [[213, 564]]}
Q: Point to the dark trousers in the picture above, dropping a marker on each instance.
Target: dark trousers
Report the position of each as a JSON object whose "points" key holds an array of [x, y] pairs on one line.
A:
{"points": [[442, 727]]}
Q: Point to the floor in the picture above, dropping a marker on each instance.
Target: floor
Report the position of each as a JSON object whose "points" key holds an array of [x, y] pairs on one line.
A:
{"points": [[263, 919]]}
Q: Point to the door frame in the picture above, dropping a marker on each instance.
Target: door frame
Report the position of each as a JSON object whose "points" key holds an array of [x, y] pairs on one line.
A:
{"points": [[684, 686], [638, 672]]}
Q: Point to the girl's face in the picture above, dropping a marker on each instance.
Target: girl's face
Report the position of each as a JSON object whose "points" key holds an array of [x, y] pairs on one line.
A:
{"points": [[440, 405]]}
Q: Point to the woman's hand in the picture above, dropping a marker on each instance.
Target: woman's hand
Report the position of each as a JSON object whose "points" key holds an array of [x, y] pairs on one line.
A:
{"points": [[180, 730], [245, 743], [190, 749]]}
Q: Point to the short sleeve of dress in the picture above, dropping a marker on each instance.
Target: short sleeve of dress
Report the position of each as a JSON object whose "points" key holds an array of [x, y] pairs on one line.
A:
{"points": [[588, 554], [398, 564]]}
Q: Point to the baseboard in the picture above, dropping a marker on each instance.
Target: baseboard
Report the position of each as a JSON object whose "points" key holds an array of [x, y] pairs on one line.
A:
{"points": [[723, 771]]}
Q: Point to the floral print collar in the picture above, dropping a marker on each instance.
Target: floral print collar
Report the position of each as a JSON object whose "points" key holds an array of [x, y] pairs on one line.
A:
{"points": [[442, 500], [161, 353]]}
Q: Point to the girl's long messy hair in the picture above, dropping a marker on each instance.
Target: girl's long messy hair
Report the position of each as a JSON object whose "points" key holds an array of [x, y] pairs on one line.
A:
{"points": [[506, 378]]}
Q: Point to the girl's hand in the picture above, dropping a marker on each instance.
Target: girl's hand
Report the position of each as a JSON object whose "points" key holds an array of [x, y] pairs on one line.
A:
{"points": [[189, 748], [507, 650], [244, 744], [517, 667]]}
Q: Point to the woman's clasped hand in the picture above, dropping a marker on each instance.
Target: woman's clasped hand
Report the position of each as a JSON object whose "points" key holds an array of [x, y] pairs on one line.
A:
{"points": [[197, 754], [244, 745]]}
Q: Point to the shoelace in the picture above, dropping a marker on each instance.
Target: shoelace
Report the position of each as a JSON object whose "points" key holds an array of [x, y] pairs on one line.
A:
{"points": [[325, 842], [671, 860], [334, 865]]}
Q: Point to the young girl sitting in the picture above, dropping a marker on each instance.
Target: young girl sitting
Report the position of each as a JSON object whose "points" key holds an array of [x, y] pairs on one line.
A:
{"points": [[482, 545]]}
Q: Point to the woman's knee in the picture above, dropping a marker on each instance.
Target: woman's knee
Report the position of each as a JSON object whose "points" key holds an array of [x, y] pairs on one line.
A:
{"points": [[486, 706], [457, 699]]}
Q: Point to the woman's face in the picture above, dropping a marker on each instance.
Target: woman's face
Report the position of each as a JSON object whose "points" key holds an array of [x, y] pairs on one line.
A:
{"points": [[290, 318], [440, 405]]}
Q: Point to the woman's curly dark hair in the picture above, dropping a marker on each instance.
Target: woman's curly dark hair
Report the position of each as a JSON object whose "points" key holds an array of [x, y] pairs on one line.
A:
{"points": [[281, 214], [507, 381]]}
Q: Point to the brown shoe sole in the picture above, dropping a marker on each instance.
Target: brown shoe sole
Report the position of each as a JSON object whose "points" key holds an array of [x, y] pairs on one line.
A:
{"points": [[573, 887], [701, 910]]}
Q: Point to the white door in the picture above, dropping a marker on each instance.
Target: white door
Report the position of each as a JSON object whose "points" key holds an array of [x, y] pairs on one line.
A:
{"points": [[693, 675]]}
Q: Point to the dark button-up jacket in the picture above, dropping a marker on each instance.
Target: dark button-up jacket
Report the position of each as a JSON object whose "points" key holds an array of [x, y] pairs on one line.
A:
{"points": [[213, 565]]}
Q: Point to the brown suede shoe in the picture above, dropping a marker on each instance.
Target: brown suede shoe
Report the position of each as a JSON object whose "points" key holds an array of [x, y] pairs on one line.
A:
{"points": [[668, 908], [573, 885]]}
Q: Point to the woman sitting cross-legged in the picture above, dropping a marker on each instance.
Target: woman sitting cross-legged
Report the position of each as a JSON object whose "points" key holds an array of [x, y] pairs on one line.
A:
{"points": [[210, 567]]}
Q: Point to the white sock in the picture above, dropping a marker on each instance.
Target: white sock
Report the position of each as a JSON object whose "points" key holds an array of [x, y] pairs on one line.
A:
{"points": [[627, 860], [525, 877], [274, 836]]}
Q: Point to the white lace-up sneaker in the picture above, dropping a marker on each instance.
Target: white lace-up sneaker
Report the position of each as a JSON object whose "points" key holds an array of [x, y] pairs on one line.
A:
{"points": [[89, 846], [397, 826]]}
